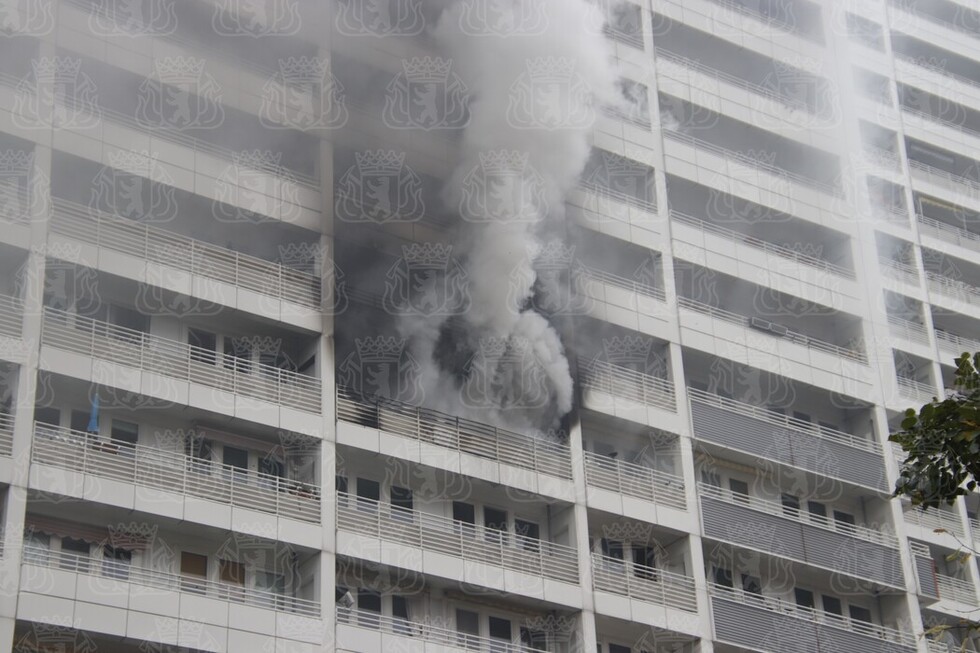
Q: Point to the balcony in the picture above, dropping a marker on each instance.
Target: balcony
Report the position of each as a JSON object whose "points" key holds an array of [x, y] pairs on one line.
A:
{"points": [[475, 543], [948, 233], [623, 382], [634, 480], [850, 549], [787, 334], [955, 344], [881, 157], [6, 434], [600, 277], [956, 589], [11, 316], [915, 389], [84, 453], [113, 571], [153, 354], [398, 634], [934, 519], [455, 433], [898, 270], [642, 583], [186, 254], [958, 290], [767, 623], [786, 440], [947, 180], [908, 329], [769, 248]]}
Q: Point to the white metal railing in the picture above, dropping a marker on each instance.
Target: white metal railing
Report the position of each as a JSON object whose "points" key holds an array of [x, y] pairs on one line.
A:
{"points": [[634, 480], [975, 527], [934, 519], [842, 622], [956, 589], [948, 232], [746, 9], [952, 124], [784, 252], [784, 421], [123, 572], [953, 288], [795, 336], [15, 200], [643, 583], [632, 285], [908, 329], [923, 63], [895, 215], [174, 472], [910, 7], [899, 270], [11, 316], [474, 542], [105, 341], [944, 178], [602, 191], [6, 434], [637, 116], [704, 69], [427, 632], [194, 256], [810, 182], [758, 504], [914, 388], [457, 433], [620, 381], [955, 343]]}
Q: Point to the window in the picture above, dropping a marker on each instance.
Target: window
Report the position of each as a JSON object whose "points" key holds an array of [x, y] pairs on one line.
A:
{"points": [[740, 490], [645, 561], [116, 562], [723, 577], [231, 572], [238, 355], [831, 605], [529, 533], [369, 607], [125, 434], [791, 505], [751, 584], [368, 494], [468, 628], [842, 517], [616, 648], [272, 583], [817, 509], [859, 614], [193, 571], [76, 554], [804, 598], [612, 548], [465, 513], [403, 502], [399, 612], [129, 319], [237, 459], [495, 523], [204, 346], [45, 415], [500, 628], [79, 420]]}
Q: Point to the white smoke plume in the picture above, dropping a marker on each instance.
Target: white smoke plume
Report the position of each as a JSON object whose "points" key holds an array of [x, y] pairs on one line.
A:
{"points": [[502, 361]]}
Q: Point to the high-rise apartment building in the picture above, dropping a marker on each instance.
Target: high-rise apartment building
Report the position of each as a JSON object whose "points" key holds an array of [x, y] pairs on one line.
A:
{"points": [[467, 325]]}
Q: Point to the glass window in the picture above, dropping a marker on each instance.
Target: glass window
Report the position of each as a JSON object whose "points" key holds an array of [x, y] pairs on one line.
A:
{"points": [[238, 355], [368, 607], [740, 490], [791, 504], [818, 509], [529, 533], [612, 548], [495, 523], [126, 434], [231, 572], [468, 627], [204, 346], [466, 513], [751, 584], [46, 415], [723, 577], [368, 494], [500, 628], [76, 554], [859, 614], [831, 605], [804, 597], [79, 420], [399, 612], [842, 517], [193, 571]]}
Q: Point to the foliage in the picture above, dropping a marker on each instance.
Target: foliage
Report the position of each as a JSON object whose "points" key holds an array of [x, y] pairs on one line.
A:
{"points": [[941, 442]]}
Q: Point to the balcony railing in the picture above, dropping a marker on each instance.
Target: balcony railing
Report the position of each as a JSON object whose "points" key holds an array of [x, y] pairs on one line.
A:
{"points": [[634, 480], [915, 389], [810, 182], [6, 434], [949, 233], [11, 316], [114, 570], [881, 156], [453, 640], [173, 472], [605, 192], [956, 589], [952, 124], [187, 254], [643, 583], [934, 519], [817, 617], [956, 289], [957, 344], [758, 89], [946, 179], [892, 214], [941, 70], [769, 248], [637, 116], [795, 336], [458, 539], [908, 329], [784, 421], [620, 381], [899, 270], [105, 341], [632, 285], [456, 433], [875, 536]]}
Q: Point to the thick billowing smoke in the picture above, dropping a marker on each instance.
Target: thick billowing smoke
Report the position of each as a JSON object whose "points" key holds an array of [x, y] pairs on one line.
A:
{"points": [[522, 150]]}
